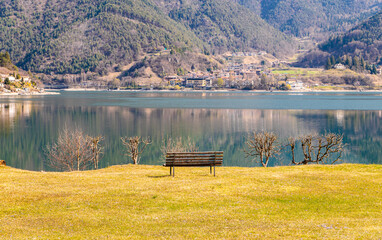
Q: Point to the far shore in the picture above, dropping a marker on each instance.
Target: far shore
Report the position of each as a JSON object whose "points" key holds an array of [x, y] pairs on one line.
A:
{"points": [[187, 90], [30, 93], [212, 91]]}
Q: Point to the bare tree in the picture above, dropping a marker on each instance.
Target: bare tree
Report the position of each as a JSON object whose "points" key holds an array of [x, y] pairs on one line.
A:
{"points": [[262, 145], [135, 147], [97, 149], [318, 148], [72, 151], [178, 144]]}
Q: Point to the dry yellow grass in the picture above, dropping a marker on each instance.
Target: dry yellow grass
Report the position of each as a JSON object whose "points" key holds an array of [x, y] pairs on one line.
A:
{"points": [[143, 202]]}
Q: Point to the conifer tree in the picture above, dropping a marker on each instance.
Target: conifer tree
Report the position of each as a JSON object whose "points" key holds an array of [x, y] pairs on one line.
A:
{"points": [[333, 60], [328, 64]]}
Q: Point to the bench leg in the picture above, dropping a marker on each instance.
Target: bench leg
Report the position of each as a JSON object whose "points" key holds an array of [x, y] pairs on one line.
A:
{"points": [[173, 171], [170, 171], [214, 171], [210, 169]]}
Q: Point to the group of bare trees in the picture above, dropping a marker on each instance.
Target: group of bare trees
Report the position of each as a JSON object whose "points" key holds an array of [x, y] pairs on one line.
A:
{"points": [[76, 151], [315, 148]]}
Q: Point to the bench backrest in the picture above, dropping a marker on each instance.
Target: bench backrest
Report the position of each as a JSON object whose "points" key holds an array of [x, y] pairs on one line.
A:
{"points": [[194, 159]]}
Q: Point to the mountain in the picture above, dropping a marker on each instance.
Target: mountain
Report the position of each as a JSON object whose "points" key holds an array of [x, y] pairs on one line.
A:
{"points": [[314, 18], [226, 26], [359, 49], [72, 36], [62, 36], [364, 40]]}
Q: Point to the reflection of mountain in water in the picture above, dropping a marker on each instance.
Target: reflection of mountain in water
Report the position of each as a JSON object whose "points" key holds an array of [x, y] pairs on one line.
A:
{"points": [[26, 128], [9, 113]]}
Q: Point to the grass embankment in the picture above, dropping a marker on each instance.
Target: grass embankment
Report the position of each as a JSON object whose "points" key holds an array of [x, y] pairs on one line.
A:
{"points": [[335, 202]]}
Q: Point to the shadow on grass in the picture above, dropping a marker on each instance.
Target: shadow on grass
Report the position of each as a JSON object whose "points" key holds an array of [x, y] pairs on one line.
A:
{"points": [[162, 176]]}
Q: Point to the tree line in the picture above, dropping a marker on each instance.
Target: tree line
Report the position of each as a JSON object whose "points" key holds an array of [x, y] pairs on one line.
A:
{"points": [[325, 148], [76, 151]]}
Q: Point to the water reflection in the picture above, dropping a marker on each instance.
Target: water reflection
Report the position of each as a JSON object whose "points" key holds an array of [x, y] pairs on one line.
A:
{"points": [[27, 126]]}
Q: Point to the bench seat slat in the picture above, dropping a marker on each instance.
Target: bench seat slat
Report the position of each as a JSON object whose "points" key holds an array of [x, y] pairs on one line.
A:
{"points": [[195, 153], [192, 165], [189, 163], [191, 155], [195, 158]]}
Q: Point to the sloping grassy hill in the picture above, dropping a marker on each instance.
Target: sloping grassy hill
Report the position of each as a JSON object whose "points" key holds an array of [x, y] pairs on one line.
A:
{"points": [[143, 202]]}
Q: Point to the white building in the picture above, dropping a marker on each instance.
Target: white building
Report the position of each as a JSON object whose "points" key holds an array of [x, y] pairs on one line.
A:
{"points": [[296, 85]]}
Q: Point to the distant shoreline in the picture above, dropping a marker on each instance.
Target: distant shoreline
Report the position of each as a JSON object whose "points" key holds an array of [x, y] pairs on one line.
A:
{"points": [[29, 94], [212, 91]]}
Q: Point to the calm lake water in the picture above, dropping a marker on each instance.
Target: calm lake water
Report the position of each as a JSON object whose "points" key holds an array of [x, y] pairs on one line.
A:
{"points": [[214, 120]]}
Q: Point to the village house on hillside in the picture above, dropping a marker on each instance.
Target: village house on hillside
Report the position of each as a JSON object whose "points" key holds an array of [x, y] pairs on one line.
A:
{"points": [[13, 79], [339, 66], [198, 82], [296, 84], [233, 76], [19, 84], [174, 80]]}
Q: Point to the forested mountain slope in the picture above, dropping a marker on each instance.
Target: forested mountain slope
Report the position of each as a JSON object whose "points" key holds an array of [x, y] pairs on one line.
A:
{"points": [[64, 36], [359, 49], [70, 36], [225, 25], [314, 18], [364, 40]]}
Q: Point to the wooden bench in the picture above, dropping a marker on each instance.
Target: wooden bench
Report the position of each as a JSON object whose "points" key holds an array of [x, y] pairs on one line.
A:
{"points": [[193, 159]]}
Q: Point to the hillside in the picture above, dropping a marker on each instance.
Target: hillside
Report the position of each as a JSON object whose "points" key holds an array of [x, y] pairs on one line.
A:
{"points": [[227, 26], [62, 36], [314, 18], [68, 36], [364, 40]]}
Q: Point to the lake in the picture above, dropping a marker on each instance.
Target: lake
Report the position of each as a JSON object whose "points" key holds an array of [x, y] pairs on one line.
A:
{"points": [[214, 120]]}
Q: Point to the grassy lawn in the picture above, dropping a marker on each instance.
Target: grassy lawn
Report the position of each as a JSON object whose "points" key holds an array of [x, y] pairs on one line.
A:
{"points": [[143, 202]]}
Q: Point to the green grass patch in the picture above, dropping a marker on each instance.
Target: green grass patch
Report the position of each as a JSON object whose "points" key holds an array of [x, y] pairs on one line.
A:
{"points": [[293, 72], [144, 202], [311, 72]]}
